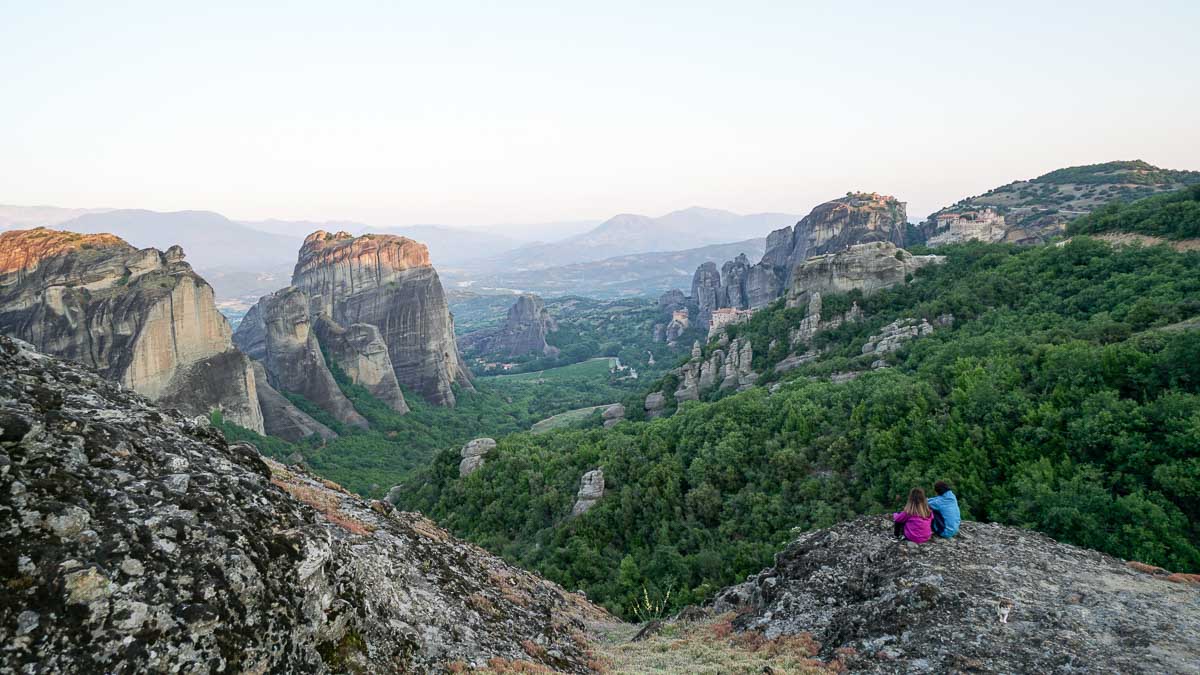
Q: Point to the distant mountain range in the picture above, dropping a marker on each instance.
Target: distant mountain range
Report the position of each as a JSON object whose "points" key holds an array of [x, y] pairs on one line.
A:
{"points": [[626, 255], [620, 276], [628, 234]]}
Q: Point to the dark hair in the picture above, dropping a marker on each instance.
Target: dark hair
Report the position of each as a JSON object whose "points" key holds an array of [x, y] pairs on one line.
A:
{"points": [[940, 487]]}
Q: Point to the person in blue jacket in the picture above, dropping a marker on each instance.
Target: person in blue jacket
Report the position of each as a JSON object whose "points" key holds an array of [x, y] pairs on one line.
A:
{"points": [[946, 517]]}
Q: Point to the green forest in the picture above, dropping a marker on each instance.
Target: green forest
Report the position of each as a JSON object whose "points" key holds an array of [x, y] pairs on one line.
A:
{"points": [[1175, 215], [370, 461], [1065, 398]]}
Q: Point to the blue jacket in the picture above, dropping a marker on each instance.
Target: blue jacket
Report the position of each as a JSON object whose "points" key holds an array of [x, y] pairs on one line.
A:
{"points": [[947, 505]]}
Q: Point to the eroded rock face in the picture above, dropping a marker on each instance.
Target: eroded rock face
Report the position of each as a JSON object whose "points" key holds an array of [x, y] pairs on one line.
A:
{"points": [[655, 403], [293, 358], [591, 490], [280, 417], [473, 455], [727, 367], [866, 267], [831, 227], [524, 331], [140, 317], [994, 598], [613, 415], [360, 352], [706, 290], [140, 541], [387, 282]]}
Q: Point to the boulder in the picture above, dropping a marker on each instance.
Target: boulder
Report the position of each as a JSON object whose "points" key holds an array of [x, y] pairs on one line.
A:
{"points": [[591, 489], [656, 402], [613, 414], [472, 455]]}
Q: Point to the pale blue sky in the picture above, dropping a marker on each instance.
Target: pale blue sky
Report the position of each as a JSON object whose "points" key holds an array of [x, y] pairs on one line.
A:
{"points": [[468, 113]]}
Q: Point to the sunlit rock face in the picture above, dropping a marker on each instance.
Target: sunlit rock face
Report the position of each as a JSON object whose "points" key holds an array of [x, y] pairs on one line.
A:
{"points": [[140, 317], [387, 282]]}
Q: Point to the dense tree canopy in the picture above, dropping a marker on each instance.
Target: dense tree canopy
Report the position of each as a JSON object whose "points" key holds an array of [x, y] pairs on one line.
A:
{"points": [[1065, 397], [1174, 215]]}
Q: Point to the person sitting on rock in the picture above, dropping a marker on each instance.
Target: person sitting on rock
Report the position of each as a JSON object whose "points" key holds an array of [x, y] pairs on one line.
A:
{"points": [[946, 517], [913, 523]]}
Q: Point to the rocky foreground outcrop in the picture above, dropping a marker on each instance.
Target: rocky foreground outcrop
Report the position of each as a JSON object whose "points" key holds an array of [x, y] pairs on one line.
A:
{"points": [[994, 599], [524, 331], [134, 539], [140, 317]]}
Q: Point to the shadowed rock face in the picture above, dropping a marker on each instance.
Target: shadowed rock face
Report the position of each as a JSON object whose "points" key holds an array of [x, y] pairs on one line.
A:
{"points": [[280, 417], [992, 599], [293, 358], [140, 541], [524, 331], [360, 352], [387, 282], [140, 317], [706, 290]]}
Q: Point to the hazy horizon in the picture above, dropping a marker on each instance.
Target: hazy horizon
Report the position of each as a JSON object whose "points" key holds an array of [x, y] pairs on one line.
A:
{"points": [[476, 116]]}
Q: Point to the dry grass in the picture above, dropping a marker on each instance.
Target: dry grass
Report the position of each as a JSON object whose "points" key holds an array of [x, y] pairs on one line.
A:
{"points": [[326, 502], [713, 647]]}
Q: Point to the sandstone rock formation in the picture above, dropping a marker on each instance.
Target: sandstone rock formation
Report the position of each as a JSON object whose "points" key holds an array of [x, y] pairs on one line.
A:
{"points": [[866, 267], [727, 367], [375, 305], [140, 317], [472, 455], [655, 404], [706, 290], [387, 282], [613, 415], [993, 599], [524, 331], [292, 354], [140, 541], [831, 227], [280, 417], [359, 350], [591, 489]]}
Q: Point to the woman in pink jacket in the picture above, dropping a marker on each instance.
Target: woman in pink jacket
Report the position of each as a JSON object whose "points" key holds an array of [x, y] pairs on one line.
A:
{"points": [[913, 523]]}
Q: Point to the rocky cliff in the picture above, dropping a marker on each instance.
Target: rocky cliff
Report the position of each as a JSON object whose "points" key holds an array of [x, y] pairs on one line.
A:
{"points": [[866, 267], [993, 599], [387, 282], [137, 540], [374, 306], [831, 227], [140, 317], [291, 353], [524, 331]]}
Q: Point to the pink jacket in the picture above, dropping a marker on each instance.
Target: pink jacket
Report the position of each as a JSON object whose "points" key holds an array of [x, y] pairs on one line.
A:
{"points": [[916, 528]]}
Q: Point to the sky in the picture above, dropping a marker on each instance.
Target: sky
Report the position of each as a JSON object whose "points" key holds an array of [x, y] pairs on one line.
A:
{"points": [[456, 113]]}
